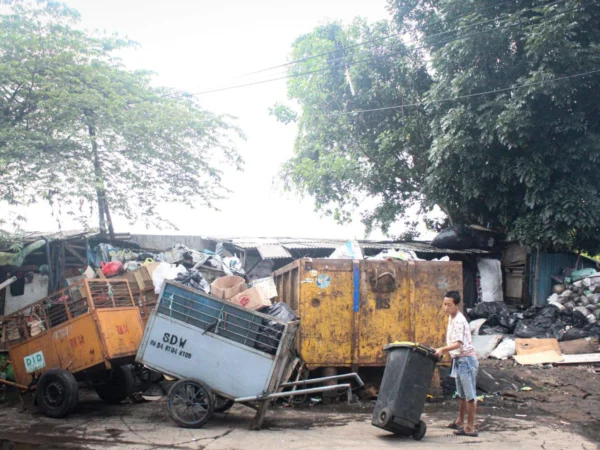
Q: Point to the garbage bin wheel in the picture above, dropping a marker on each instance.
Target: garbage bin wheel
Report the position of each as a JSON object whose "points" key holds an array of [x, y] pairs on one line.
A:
{"points": [[420, 431], [222, 404], [119, 385], [57, 393], [384, 417], [191, 403]]}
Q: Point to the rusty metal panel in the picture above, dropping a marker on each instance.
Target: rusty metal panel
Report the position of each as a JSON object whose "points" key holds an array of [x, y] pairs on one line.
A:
{"points": [[384, 313], [19, 352], [396, 301], [325, 307], [431, 279], [78, 344], [121, 330]]}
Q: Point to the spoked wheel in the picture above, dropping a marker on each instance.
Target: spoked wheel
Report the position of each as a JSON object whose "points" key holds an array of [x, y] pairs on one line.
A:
{"points": [[191, 404], [222, 404]]}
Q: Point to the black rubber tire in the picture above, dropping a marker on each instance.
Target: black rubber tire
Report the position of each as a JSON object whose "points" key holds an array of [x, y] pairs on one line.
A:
{"points": [[384, 417], [420, 431], [57, 393], [190, 394], [119, 385], [222, 404]]}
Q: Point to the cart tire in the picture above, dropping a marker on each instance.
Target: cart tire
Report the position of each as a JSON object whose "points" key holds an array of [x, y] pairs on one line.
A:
{"points": [[57, 393], [191, 403], [118, 387], [420, 431], [222, 404]]}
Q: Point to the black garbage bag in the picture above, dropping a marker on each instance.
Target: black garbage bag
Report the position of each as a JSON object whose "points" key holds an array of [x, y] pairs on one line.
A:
{"points": [[269, 334], [575, 333], [495, 313], [572, 318], [457, 237], [194, 279], [593, 330], [498, 329], [527, 329]]}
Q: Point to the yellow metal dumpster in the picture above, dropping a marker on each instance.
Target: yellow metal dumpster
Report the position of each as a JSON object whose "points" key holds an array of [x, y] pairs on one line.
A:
{"points": [[351, 309]]}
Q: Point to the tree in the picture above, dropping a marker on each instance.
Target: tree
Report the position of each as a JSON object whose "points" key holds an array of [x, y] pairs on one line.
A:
{"points": [[523, 160], [341, 157], [79, 130]]}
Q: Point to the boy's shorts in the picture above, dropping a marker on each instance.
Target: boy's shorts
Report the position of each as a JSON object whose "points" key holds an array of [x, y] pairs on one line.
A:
{"points": [[466, 368]]}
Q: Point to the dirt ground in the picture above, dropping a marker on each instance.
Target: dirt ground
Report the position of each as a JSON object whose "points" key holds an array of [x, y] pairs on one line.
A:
{"points": [[561, 411], [569, 393]]}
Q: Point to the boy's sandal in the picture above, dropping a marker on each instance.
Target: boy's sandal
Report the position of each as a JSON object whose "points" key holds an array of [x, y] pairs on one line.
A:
{"points": [[466, 433], [454, 426]]}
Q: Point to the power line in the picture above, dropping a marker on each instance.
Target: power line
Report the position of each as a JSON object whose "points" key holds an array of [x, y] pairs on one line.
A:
{"points": [[460, 97], [375, 40], [390, 54]]}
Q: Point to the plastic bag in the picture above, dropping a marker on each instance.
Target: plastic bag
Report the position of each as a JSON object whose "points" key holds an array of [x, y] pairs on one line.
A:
{"points": [[496, 313], [457, 237], [270, 331], [527, 329], [165, 271], [475, 325], [506, 349], [575, 333], [498, 329], [350, 250], [194, 279], [490, 276]]}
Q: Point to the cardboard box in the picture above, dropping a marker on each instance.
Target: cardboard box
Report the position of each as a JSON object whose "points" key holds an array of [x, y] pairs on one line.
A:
{"points": [[253, 298], [227, 287]]}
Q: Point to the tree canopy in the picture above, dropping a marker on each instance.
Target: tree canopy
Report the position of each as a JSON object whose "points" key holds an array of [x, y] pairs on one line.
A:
{"points": [[490, 110], [79, 130]]}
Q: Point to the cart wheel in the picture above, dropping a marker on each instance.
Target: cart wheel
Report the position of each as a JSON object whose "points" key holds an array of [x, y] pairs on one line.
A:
{"points": [[118, 387], [420, 431], [57, 393], [191, 404], [222, 404]]}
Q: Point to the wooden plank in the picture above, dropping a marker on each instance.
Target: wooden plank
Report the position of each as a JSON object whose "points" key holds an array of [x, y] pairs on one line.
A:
{"points": [[533, 346], [74, 252], [549, 356], [580, 346], [590, 358]]}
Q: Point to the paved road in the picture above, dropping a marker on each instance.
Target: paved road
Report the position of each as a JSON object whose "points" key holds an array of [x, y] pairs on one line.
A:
{"points": [[96, 425]]}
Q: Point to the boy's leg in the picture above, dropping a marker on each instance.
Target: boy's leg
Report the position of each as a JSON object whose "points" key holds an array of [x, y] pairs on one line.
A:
{"points": [[471, 407], [461, 412]]}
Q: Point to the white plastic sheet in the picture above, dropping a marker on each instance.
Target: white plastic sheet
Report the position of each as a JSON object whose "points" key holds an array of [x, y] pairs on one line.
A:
{"points": [[165, 271], [490, 275]]}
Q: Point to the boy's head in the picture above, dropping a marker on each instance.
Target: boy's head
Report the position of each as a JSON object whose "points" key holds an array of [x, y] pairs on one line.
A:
{"points": [[451, 301]]}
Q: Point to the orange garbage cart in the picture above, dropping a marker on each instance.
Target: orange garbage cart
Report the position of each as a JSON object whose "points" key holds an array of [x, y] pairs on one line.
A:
{"points": [[86, 334]]}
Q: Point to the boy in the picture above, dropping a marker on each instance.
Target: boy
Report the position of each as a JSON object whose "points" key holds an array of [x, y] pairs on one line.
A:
{"points": [[464, 364]]}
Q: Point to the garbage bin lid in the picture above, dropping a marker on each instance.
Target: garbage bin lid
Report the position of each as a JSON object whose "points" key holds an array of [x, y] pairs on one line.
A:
{"points": [[427, 351]]}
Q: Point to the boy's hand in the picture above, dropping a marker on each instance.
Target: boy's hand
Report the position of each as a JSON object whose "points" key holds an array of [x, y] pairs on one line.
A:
{"points": [[439, 353]]}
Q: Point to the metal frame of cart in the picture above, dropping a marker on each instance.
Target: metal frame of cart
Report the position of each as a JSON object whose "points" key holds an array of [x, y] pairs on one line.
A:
{"points": [[222, 354], [87, 333]]}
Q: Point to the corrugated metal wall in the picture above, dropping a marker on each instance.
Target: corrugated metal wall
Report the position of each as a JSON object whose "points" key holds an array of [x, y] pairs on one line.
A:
{"points": [[551, 264]]}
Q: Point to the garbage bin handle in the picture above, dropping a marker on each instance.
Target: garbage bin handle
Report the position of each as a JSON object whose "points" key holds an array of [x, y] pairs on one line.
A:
{"points": [[377, 276]]}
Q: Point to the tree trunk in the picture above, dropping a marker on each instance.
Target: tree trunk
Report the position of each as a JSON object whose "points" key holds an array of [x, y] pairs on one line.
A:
{"points": [[105, 220]]}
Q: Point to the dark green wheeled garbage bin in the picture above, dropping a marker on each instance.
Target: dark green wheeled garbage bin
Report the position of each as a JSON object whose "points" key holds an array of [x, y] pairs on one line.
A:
{"points": [[406, 380]]}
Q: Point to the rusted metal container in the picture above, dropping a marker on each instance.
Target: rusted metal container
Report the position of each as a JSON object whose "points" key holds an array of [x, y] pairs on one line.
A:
{"points": [[351, 309]]}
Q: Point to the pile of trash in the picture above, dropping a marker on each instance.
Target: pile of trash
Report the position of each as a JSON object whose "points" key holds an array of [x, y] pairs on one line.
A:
{"points": [[572, 312]]}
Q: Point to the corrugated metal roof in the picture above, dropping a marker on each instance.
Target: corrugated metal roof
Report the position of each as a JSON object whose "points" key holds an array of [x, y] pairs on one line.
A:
{"points": [[273, 252], [332, 244]]}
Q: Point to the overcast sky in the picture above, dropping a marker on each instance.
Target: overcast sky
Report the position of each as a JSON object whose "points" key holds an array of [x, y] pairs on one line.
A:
{"points": [[198, 45]]}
